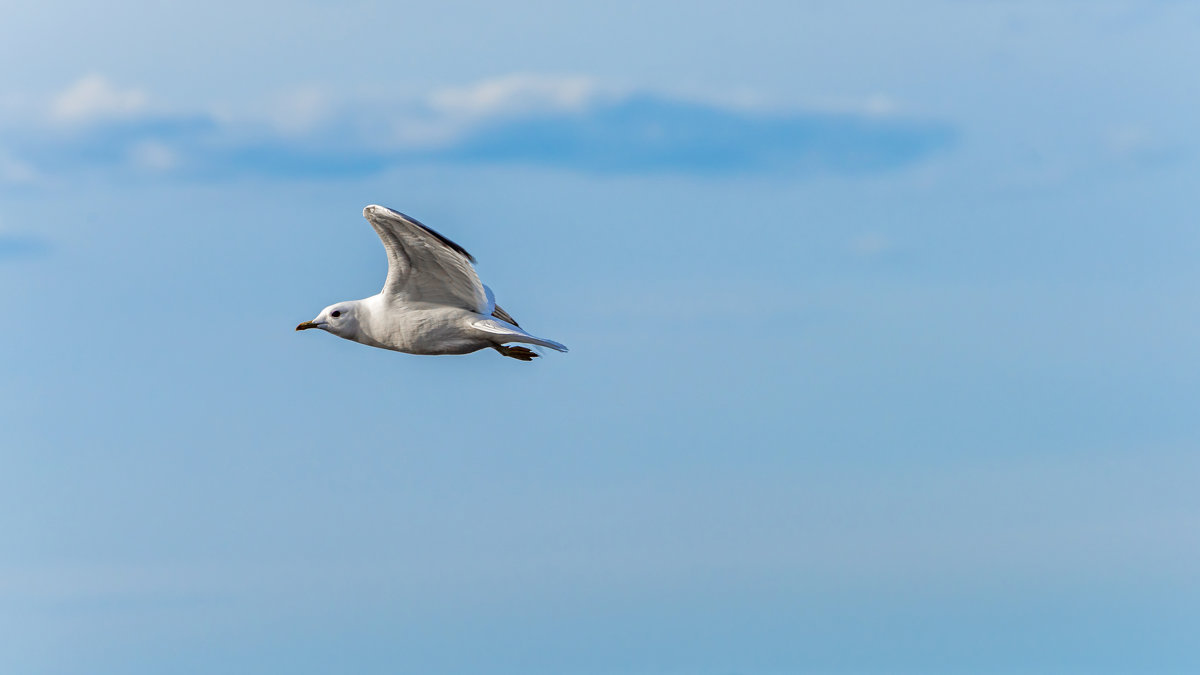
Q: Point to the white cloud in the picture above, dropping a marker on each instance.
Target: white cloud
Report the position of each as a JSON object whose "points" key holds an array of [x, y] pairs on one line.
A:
{"points": [[878, 105], [1135, 143], [95, 98], [301, 110], [446, 114], [607, 128], [517, 93], [154, 156]]}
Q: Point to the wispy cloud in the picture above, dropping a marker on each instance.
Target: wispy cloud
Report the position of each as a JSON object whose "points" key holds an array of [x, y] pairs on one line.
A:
{"points": [[94, 98], [566, 122], [648, 132], [1136, 144], [520, 94]]}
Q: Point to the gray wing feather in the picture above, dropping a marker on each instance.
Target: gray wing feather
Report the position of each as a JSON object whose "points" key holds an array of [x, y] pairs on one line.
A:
{"points": [[424, 266]]}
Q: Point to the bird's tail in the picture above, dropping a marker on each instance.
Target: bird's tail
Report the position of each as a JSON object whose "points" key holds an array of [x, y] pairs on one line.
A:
{"points": [[541, 342], [510, 333]]}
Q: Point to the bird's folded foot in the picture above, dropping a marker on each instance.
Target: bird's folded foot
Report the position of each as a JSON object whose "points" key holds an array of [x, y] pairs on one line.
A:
{"points": [[518, 353]]}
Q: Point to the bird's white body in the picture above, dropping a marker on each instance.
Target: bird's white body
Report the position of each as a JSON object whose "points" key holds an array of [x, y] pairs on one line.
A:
{"points": [[419, 328], [432, 301]]}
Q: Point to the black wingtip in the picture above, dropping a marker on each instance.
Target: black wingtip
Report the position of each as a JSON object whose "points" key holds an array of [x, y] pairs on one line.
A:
{"points": [[437, 235]]}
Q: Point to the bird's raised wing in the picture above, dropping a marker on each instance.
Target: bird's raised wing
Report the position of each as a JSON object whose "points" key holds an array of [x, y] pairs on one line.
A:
{"points": [[424, 266]]}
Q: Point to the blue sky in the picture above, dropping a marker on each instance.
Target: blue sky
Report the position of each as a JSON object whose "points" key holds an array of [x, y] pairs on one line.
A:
{"points": [[882, 325]]}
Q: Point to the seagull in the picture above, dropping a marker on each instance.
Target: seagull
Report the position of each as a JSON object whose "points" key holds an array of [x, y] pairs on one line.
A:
{"points": [[432, 301]]}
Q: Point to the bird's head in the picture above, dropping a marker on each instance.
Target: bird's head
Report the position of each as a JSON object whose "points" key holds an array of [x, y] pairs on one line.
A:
{"points": [[340, 319]]}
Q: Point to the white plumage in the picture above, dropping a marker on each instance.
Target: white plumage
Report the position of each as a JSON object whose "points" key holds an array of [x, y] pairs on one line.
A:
{"points": [[432, 301]]}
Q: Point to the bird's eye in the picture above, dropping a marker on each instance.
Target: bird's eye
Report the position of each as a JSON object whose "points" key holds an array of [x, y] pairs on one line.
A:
{"points": [[336, 314]]}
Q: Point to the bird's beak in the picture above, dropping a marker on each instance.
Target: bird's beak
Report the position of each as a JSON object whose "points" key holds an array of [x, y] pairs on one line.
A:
{"points": [[308, 324]]}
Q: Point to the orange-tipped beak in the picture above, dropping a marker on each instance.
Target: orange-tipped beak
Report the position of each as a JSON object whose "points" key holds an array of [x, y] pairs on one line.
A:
{"points": [[306, 325]]}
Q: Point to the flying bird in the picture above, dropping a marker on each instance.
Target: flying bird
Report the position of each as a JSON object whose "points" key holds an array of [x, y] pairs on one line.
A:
{"points": [[432, 301]]}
